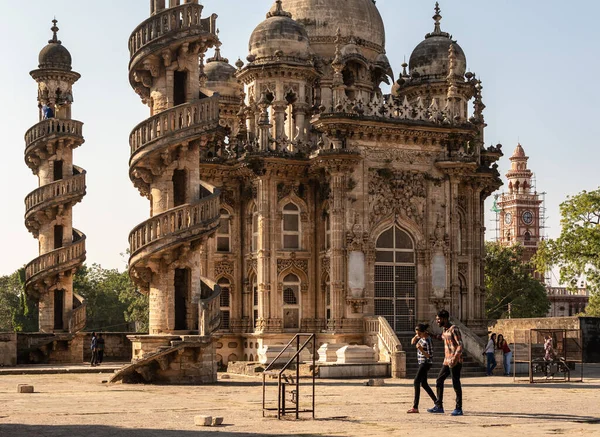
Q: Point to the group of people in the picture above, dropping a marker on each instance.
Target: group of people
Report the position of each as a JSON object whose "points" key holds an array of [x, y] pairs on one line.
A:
{"points": [[97, 346], [453, 359], [494, 344]]}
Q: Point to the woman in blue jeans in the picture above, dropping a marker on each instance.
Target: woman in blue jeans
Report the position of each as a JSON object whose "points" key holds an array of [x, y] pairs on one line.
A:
{"points": [[490, 348], [507, 354]]}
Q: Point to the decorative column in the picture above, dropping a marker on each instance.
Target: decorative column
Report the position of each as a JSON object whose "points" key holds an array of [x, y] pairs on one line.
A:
{"points": [[263, 268]]}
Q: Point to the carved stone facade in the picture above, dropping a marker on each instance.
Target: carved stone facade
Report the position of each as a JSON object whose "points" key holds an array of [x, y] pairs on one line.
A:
{"points": [[344, 203]]}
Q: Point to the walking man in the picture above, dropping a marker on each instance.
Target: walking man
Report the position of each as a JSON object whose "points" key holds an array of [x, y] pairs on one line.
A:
{"points": [[100, 349], [453, 350]]}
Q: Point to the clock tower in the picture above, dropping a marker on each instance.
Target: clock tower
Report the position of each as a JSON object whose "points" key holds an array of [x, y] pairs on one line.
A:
{"points": [[520, 207]]}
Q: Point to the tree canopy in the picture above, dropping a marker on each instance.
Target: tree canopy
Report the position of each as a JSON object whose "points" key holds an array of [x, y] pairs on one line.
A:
{"points": [[576, 252], [511, 290]]}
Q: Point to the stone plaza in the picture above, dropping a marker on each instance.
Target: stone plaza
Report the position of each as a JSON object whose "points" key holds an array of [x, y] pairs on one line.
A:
{"points": [[75, 405]]}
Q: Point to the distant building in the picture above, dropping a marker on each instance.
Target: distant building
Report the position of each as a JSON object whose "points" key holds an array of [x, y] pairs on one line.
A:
{"points": [[566, 303]]}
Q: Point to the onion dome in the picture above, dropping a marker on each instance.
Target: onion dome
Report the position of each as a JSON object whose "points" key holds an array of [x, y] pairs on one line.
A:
{"points": [[220, 75], [322, 19], [519, 152], [279, 35], [430, 59], [55, 56]]}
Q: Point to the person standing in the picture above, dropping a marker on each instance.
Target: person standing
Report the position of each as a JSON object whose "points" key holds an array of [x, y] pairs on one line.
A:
{"points": [[502, 344], [94, 347], [425, 359], [100, 349], [453, 358], [489, 352]]}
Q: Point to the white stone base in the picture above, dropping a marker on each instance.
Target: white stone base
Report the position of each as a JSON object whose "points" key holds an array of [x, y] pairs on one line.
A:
{"points": [[268, 353], [340, 371], [328, 352], [356, 355]]}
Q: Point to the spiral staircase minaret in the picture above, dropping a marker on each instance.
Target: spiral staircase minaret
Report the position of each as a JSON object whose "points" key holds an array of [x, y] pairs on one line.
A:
{"points": [[165, 71], [49, 154]]}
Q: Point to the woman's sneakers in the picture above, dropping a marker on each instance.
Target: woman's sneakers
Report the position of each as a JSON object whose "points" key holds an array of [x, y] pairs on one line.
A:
{"points": [[436, 409], [413, 410]]}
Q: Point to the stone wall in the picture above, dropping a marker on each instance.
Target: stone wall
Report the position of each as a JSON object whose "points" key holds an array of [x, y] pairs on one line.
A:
{"points": [[41, 348], [507, 327], [8, 349], [117, 347]]}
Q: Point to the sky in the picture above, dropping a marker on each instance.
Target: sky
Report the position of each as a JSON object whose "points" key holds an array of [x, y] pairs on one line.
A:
{"points": [[538, 62]]}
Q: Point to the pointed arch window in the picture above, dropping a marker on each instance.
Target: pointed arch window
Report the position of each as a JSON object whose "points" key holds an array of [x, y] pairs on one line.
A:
{"points": [[291, 302], [224, 232], [291, 226], [225, 303]]}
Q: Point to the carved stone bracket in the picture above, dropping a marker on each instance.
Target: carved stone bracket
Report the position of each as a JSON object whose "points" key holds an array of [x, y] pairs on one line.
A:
{"points": [[356, 304]]}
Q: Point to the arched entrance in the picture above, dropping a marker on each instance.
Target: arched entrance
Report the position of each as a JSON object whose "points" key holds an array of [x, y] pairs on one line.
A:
{"points": [[396, 279]]}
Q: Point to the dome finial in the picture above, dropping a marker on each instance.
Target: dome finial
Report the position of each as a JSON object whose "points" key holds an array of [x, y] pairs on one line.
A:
{"points": [[437, 18], [277, 10], [54, 30]]}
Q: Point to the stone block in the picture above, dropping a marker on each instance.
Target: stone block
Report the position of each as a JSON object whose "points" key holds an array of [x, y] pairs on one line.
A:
{"points": [[24, 388], [375, 383], [356, 355], [328, 352], [203, 420], [217, 421], [268, 353], [225, 376]]}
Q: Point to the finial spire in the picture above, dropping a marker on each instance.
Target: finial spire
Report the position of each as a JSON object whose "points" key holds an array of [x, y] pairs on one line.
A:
{"points": [[437, 18], [54, 30], [277, 10]]}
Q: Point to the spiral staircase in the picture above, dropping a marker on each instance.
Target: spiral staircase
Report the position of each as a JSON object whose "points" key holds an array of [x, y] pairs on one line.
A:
{"points": [[49, 147], [168, 44]]}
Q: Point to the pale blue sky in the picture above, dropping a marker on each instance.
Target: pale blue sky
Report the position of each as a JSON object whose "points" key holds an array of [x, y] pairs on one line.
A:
{"points": [[538, 61]]}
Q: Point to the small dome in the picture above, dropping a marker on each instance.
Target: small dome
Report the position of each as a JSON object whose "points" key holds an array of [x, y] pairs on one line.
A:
{"points": [[220, 75], [279, 35], [55, 55], [431, 58], [519, 152]]}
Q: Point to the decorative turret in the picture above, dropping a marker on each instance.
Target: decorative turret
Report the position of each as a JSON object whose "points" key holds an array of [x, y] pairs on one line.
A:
{"points": [[49, 154]]}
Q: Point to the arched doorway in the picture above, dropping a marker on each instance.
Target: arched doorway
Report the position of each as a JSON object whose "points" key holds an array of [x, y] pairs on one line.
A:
{"points": [[396, 279]]}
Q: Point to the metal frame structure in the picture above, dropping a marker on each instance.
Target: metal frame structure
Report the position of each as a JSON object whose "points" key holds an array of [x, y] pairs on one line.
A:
{"points": [[284, 380]]}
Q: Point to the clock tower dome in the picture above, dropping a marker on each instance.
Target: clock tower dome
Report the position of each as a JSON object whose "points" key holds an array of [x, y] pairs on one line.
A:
{"points": [[520, 207]]}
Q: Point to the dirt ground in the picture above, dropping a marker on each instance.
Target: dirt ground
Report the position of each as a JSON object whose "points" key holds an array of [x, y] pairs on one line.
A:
{"points": [[82, 405]]}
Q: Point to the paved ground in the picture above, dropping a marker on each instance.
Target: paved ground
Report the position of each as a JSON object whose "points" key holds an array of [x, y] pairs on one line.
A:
{"points": [[82, 405]]}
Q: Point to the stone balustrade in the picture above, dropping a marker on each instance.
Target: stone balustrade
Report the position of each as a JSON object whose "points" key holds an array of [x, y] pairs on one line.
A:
{"points": [[175, 221], [174, 120], [209, 309], [53, 126], [77, 318], [71, 186], [381, 327], [170, 21], [57, 258]]}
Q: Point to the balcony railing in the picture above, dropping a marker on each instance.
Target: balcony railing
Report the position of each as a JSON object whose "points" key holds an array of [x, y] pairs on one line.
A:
{"points": [[53, 126], [71, 186], [55, 259], [175, 221], [563, 291], [174, 120], [170, 21]]}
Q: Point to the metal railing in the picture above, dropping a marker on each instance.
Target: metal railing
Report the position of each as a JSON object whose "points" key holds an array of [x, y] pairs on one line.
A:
{"points": [[283, 380]]}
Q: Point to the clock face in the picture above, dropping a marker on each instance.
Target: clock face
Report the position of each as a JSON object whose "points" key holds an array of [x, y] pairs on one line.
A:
{"points": [[528, 217], [508, 218]]}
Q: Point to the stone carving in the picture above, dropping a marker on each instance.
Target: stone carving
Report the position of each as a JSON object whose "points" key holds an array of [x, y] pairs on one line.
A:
{"points": [[224, 268], [463, 268], [396, 155], [440, 239], [397, 192], [325, 265], [300, 264]]}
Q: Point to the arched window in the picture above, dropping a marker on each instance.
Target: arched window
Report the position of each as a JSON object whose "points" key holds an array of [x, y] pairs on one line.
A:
{"points": [[291, 227], [225, 302], [395, 279], [224, 232], [527, 236], [327, 232], [254, 229], [291, 302]]}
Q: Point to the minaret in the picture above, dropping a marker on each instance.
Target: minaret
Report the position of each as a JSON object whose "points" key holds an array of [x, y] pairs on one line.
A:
{"points": [[49, 154], [165, 70], [520, 207]]}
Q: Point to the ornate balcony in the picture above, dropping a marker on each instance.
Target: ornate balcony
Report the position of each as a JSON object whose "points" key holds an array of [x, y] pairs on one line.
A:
{"points": [[50, 129]]}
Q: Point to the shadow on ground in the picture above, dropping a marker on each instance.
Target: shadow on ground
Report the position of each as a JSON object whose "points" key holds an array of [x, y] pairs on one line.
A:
{"points": [[17, 430], [543, 416]]}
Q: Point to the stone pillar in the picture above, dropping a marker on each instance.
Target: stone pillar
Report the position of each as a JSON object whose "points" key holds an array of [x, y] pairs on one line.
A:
{"points": [[338, 240], [263, 251], [46, 312], [279, 108]]}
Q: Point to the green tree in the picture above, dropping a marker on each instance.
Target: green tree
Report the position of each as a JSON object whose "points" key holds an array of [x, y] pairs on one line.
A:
{"points": [[511, 290], [576, 252], [17, 312], [112, 299]]}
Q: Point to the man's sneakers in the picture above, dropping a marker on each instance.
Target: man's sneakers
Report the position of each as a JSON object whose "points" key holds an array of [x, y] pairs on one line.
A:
{"points": [[457, 412], [436, 410]]}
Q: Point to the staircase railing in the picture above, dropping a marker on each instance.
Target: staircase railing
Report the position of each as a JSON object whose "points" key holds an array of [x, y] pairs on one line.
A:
{"points": [[283, 380], [209, 317], [387, 338], [77, 317]]}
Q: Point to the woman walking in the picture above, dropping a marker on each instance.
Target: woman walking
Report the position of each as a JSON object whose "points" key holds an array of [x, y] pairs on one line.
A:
{"points": [[489, 353], [424, 356], [507, 353]]}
